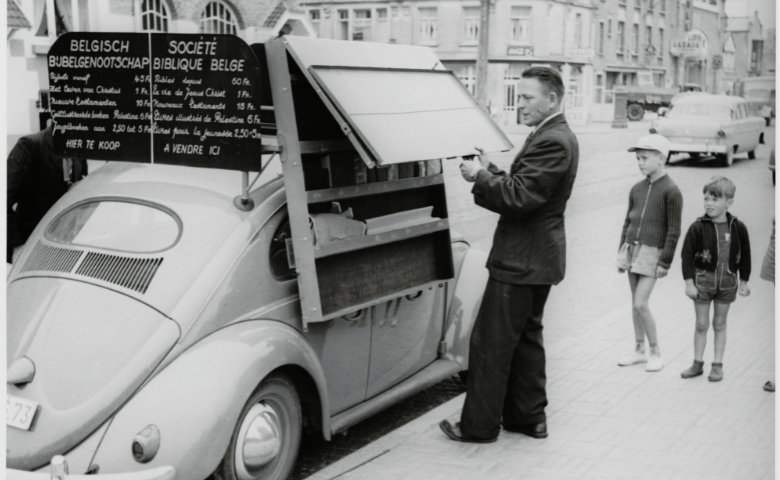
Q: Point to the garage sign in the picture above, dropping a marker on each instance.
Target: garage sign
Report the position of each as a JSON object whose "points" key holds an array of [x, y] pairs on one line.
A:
{"points": [[694, 44], [175, 99]]}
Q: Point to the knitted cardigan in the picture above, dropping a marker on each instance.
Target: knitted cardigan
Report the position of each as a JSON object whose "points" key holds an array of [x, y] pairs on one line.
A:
{"points": [[654, 217]]}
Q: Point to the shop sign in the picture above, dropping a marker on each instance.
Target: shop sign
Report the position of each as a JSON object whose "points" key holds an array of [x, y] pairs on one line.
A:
{"points": [[583, 53], [694, 44], [156, 98], [717, 62], [520, 51]]}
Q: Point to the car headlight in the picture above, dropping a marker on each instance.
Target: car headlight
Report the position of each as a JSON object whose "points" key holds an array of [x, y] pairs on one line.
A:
{"points": [[721, 133], [146, 444]]}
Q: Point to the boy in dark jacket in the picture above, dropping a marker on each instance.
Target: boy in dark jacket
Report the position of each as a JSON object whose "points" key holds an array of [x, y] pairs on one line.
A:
{"points": [[716, 247]]}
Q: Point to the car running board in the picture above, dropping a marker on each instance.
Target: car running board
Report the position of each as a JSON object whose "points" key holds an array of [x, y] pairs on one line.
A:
{"points": [[425, 378]]}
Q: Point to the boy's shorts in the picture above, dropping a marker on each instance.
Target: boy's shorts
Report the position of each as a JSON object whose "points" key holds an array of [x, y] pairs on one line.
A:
{"points": [[718, 286], [639, 259]]}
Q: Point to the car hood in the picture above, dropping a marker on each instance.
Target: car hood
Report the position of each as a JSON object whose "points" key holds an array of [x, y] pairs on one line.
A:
{"points": [[91, 348]]}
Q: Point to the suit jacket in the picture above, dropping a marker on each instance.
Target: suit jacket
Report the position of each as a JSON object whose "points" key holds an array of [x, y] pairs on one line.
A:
{"points": [[529, 246], [35, 183]]}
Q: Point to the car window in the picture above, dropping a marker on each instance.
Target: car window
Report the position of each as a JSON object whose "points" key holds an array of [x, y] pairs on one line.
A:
{"points": [[700, 110], [116, 225], [280, 266]]}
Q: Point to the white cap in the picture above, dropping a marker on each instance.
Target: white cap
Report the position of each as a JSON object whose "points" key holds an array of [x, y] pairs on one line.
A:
{"points": [[652, 142]]}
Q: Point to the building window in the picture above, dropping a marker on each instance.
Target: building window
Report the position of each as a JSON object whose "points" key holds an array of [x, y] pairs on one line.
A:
{"points": [[648, 37], [467, 76], [217, 18], [650, 5], [520, 22], [361, 28], [621, 2], [662, 5], [621, 37], [660, 42], [471, 25], [154, 16], [578, 30], [427, 25], [601, 38], [382, 26], [635, 38], [609, 28], [598, 92], [343, 25], [315, 17]]}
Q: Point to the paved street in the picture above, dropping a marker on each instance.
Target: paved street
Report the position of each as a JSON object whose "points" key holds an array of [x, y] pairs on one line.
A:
{"points": [[605, 421]]}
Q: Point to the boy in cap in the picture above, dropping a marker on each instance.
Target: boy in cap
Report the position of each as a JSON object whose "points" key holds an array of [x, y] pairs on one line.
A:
{"points": [[716, 248], [647, 243]]}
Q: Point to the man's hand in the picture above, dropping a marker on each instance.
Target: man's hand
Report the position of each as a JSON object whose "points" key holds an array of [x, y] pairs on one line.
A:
{"points": [[690, 290], [660, 272], [466, 169], [744, 290], [621, 270], [483, 157]]}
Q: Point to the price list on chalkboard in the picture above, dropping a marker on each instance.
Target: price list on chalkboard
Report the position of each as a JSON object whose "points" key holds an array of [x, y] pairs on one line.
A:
{"points": [[175, 99]]}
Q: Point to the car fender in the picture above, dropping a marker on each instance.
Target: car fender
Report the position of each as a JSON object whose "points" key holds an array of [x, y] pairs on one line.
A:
{"points": [[195, 401], [462, 313]]}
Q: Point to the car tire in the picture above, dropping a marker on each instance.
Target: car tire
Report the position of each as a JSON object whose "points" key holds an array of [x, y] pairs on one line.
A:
{"points": [[752, 155], [773, 177], [635, 112], [270, 427], [768, 121], [727, 159]]}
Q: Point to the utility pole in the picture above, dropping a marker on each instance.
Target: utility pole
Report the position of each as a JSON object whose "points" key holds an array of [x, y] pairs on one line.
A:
{"points": [[482, 53]]}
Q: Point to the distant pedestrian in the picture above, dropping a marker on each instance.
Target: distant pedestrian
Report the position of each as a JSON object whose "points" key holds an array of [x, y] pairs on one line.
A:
{"points": [[507, 379], [36, 180], [716, 248], [768, 274], [647, 243]]}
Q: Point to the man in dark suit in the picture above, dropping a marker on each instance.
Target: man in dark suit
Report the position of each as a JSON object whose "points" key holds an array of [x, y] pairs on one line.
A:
{"points": [[36, 180], [506, 383]]}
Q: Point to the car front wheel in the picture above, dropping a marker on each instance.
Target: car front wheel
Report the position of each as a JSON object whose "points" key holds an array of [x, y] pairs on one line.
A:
{"points": [[752, 155], [635, 112], [267, 436]]}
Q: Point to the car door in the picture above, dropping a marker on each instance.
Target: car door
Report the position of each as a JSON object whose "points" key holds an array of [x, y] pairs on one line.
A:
{"points": [[405, 336]]}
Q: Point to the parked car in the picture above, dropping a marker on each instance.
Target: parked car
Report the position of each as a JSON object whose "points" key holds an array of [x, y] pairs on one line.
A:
{"points": [[760, 93], [154, 329], [772, 164], [711, 125]]}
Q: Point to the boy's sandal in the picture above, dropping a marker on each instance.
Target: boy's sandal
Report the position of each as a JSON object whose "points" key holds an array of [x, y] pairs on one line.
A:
{"points": [[769, 386]]}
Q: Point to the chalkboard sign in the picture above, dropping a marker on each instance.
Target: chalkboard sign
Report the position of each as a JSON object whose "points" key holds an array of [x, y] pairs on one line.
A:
{"points": [[156, 98]]}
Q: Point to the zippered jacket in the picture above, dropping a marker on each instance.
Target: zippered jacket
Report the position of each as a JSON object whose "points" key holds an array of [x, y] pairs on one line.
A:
{"points": [[654, 217], [700, 248]]}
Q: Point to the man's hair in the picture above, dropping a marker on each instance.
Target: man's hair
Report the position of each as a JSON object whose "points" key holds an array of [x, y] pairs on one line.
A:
{"points": [[550, 78], [720, 187]]}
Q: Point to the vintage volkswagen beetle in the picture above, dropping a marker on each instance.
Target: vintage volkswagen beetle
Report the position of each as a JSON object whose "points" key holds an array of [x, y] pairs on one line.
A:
{"points": [[711, 125], [157, 329]]}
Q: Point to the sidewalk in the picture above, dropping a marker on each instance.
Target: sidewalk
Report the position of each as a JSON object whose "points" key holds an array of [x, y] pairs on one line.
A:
{"points": [[609, 422]]}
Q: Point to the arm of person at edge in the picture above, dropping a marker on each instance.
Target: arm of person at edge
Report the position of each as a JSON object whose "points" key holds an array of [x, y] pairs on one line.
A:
{"points": [[625, 224], [688, 254], [674, 203], [19, 178], [744, 261], [544, 165]]}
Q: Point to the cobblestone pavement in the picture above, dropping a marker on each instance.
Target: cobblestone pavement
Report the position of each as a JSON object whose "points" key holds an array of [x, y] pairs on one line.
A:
{"points": [[608, 422]]}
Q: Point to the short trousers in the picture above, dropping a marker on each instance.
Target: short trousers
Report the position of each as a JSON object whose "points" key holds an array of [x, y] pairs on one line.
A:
{"points": [[720, 287], [639, 259]]}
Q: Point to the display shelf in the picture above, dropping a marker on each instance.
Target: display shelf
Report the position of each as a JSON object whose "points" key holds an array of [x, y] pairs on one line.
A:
{"points": [[334, 194], [367, 241], [384, 298]]}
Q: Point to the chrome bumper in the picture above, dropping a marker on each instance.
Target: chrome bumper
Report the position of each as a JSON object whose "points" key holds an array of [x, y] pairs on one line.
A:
{"points": [[59, 471], [705, 147]]}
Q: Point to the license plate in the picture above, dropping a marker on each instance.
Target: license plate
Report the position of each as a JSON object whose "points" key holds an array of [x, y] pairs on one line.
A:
{"points": [[20, 412]]}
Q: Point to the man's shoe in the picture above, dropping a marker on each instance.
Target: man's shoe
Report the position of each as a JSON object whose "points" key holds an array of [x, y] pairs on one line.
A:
{"points": [[536, 430], [637, 356], [716, 375], [453, 431], [694, 370]]}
